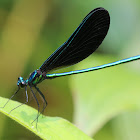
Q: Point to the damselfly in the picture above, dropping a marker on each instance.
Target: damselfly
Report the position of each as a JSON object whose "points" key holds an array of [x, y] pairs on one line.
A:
{"points": [[83, 42]]}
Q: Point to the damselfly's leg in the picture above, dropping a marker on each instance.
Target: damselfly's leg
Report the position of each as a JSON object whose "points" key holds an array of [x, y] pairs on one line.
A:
{"points": [[44, 103], [37, 105], [43, 97], [44, 106], [11, 97], [22, 103]]}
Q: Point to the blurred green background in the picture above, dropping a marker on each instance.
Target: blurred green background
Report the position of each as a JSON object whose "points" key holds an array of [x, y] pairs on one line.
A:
{"points": [[104, 104]]}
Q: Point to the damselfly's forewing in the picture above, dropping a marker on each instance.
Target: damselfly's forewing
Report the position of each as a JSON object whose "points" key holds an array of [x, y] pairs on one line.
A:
{"points": [[83, 42]]}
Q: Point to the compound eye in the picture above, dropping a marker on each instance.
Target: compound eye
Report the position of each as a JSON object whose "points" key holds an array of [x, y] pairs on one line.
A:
{"points": [[21, 82], [20, 78]]}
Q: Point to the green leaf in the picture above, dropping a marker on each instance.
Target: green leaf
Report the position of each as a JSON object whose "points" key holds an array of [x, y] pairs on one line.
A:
{"points": [[103, 94], [49, 128], [126, 126]]}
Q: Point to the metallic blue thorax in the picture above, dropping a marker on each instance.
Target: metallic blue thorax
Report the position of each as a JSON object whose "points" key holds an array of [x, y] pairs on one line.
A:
{"points": [[36, 77]]}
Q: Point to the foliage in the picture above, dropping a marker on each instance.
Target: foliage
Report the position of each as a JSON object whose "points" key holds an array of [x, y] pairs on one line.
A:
{"points": [[104, 104], [49, 128]]}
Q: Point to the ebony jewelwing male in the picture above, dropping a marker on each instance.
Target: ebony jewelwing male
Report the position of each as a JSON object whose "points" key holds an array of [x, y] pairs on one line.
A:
{"points": [[83, 42]]}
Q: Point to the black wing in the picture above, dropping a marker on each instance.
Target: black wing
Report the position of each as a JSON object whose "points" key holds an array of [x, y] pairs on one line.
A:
{"points": [[83, 42]]}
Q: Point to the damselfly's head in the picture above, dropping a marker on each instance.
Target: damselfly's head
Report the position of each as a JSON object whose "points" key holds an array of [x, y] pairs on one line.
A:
{"points": [[21, 83]]}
